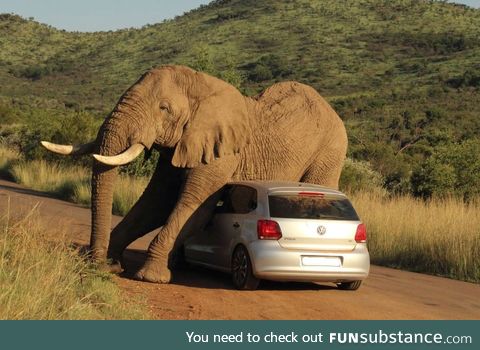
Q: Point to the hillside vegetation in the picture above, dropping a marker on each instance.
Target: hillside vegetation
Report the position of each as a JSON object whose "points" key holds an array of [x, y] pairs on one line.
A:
{"points": [[403, 74]]}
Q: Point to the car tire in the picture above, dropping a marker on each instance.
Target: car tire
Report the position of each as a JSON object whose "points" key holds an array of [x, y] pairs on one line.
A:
{"points": [[353, 285], [242, 272]]}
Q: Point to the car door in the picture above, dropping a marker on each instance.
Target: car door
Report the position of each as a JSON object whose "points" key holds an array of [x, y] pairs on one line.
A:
{"points": [[215, 244]]}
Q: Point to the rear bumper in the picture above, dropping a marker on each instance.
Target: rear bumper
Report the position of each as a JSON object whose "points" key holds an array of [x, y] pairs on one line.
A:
{"points": [[271, 261]]}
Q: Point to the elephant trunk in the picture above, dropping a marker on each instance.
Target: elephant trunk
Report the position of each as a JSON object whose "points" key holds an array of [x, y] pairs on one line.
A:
{"points": [[121, 138], [111, 140], [103, 178]]}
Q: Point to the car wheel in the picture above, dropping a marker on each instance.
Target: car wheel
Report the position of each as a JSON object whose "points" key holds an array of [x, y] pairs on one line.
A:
{"points": [[354, 285], [242, 272]]}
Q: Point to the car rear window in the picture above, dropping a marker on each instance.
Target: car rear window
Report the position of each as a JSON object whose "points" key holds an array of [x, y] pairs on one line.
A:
{"points": [[311, 207]]}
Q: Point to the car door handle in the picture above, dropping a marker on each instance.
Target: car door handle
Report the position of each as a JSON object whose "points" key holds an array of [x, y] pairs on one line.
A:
{"points": [[236, 225]]}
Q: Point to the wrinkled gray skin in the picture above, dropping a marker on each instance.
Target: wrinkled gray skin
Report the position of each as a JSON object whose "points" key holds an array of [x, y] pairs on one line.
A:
{"points": [[207, 133]]}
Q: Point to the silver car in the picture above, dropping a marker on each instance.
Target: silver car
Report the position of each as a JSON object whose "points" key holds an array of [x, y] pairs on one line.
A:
{"points": [[284, 232]]}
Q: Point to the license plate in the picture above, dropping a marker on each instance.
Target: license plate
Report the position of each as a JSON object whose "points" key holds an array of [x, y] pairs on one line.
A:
{"points": [[321, 261]]}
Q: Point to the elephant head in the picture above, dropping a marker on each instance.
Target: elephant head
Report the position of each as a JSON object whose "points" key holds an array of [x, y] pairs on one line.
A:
{"points": [[198, 116]]}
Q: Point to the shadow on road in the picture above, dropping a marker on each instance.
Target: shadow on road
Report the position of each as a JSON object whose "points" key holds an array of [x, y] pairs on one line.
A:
{"points": [[27, 191], [198, 277]]}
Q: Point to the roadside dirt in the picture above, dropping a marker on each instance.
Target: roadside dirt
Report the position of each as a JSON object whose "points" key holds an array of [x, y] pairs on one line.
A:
{"points": [[202, 294]]}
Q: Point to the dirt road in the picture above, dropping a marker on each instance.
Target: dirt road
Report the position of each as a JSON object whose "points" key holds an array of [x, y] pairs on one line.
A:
{"points": [[202, 294]]}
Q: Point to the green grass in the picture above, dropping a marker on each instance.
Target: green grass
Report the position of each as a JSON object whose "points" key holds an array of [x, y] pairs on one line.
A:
{"points": [[440, 236], [43, 278]]}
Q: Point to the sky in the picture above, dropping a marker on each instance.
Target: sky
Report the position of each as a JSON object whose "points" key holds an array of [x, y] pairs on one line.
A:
{"points": [[96, 15], [100, 15]]}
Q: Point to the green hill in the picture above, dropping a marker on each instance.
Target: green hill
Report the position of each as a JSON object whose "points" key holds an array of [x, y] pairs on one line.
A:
{"points": [[403, 74]]}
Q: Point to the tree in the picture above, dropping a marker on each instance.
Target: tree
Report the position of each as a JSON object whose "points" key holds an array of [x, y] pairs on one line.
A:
{"points": [[453, 169], [205, 60], [202, 60], [268, 67], [433, 178]]}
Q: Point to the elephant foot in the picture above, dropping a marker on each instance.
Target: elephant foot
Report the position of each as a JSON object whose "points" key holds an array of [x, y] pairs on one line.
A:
{"points": [[114, 267], [155, 272]]}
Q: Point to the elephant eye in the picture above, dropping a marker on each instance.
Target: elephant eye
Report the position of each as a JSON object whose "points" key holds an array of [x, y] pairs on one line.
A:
{"points": [[164, 106]]}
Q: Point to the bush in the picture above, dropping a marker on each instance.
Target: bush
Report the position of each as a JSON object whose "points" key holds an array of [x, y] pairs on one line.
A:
{"points": [[231, 74], [359, 176], [33, 72], [433, 179], [454, 169], [260, 73], [429, 43], [142, 166], [268, 67], [470, 78], [7, 114], [68, 128], [394, 167], [202, 60], [221, 66]]}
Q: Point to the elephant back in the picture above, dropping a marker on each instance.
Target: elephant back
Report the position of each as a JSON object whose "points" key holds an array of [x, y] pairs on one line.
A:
{"points": [[291, 102]]}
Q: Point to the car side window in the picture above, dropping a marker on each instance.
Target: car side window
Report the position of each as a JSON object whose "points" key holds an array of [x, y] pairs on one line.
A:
{"points": [[237, 199]]}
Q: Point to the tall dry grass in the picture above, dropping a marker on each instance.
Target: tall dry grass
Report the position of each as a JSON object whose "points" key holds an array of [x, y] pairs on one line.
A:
{"points": [[42, 277], [49, 177], [440, 236], [72, 183], [127, 192]]}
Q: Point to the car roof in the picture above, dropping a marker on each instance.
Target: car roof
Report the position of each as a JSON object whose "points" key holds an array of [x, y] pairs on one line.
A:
{"points": [[286, 186]]}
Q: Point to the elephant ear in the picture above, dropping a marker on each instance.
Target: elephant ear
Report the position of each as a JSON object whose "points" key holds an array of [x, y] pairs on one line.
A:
{"points": [[219, 126]]}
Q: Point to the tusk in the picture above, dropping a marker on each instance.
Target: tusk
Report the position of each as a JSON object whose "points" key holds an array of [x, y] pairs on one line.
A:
{"points": [[72, 150], [123, 158]]}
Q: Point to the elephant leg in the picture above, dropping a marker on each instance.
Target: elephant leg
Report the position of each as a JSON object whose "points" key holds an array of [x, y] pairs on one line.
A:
{"points": [[200, 184], [325, 171], [150, 212]]}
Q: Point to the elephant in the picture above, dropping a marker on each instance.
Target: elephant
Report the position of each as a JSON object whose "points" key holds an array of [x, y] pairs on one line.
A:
{"points": [[207, 134]]}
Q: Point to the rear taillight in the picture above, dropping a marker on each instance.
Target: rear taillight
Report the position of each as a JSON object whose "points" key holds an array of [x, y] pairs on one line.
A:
{"points": [[361, 234], [268, 229]]}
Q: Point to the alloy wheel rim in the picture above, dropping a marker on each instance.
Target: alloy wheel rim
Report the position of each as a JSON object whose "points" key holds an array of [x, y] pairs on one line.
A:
{"points": [[240, 267]]}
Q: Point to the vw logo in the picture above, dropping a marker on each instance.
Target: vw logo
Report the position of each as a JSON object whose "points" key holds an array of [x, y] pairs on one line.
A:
{"points": [[321, 230]]}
